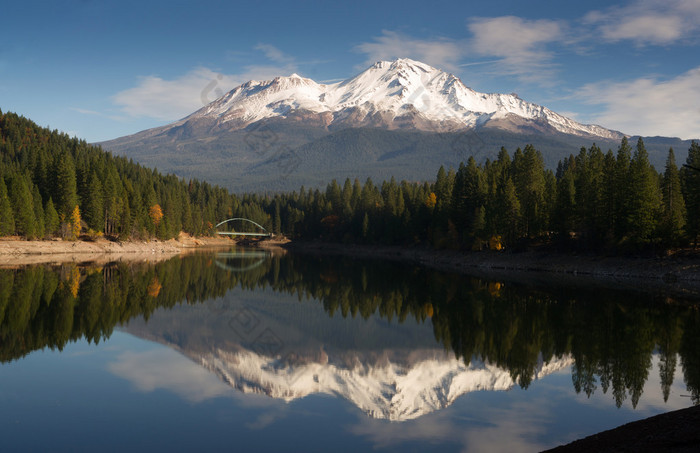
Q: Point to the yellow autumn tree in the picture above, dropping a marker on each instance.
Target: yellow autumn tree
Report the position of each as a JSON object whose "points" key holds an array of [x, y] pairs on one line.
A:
{"points": [[75, 223], [70, 279], [156, 214], [74, 281], [431, 201], [154, 287]]}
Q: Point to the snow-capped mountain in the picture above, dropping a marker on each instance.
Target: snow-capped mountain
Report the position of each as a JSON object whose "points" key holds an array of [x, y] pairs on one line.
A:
{"points": [[395, 390], [401, 119], [291, 351], [391, 94]]}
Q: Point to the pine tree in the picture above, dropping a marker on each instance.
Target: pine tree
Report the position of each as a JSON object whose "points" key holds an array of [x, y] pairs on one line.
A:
{"points": [[609, 197], [691, 191], [52, 221], [566, 197], [644, 204], [334, 195], [508, 219], [7, 217], [66, 190], [550, 199], [623, 190], [277, 225], [38, 213], [443, 190], [93, 205], [23, 207], [468, 199], [365, 226], [589, 192], [673, 216], [528, 176]]}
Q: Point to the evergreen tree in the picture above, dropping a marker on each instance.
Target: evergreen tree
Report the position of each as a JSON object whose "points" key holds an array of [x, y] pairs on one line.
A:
{"points": [[528, 176], [566, 197], [52, 222], [468, 200], [550, 199], [691, 191], [507, 222], [38, 213], [23, 207], [673, 216], [334, 196], [93, 205], [277, 226], [66, 191], [623, 189], [7, 217], [443, 188], [645, 202], [609, 197]]}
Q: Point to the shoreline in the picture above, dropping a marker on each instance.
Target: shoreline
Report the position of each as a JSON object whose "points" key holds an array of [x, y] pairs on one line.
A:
{"points": [[676, 275], [17, 252]]}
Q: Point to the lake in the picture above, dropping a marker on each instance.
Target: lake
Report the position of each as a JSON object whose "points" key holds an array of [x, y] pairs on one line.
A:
{"points": [[247, 350]]}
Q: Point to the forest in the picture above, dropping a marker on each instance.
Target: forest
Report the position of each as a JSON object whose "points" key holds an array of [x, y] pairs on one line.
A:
{"points": [[52, 185]]}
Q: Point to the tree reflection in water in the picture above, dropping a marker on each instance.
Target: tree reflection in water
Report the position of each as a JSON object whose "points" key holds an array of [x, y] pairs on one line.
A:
{"points": [[610, 334]]}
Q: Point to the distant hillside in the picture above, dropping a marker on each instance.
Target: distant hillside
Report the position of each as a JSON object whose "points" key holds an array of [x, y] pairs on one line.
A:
{"points": [[277, 155]]}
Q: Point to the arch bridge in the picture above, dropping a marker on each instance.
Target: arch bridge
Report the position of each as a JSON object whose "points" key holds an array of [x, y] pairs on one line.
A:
{"points": [[241, 261], [264, 232]]}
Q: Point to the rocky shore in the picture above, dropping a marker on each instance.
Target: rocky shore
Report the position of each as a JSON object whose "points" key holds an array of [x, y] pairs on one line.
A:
{"points": [[17, 252], [676, 274]]}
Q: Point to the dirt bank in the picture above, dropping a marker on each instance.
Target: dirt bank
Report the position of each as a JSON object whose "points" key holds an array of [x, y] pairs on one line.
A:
{"points": [[17, 252]]}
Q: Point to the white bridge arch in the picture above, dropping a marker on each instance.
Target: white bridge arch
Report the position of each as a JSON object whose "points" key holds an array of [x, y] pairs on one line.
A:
{"points": [[264, 232]]}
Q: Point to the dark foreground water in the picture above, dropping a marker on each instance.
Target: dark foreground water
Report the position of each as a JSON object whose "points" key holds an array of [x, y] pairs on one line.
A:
{"points": [[243, 351]]}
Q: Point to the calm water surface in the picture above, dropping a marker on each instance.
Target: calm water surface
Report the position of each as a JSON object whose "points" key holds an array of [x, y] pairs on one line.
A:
{"points": [[246, 351]]}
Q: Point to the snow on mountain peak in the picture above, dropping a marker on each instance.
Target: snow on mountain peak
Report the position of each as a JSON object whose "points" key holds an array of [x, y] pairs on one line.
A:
{"points": [[390, 389], [386, 95]]}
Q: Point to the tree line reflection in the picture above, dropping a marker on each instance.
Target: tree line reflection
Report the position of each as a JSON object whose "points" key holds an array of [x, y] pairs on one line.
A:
{"points": [[611, 335]]}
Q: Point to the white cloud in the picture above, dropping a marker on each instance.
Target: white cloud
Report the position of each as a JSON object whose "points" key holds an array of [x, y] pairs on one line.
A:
{"points": [[169, 100], [511, 428], [441, 53], [520, 44], [273, 53], [166, 369], [648, 106], [648, 22]]}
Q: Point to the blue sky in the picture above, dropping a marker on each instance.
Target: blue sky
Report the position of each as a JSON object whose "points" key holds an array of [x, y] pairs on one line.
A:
{"points": [[102, 69]]}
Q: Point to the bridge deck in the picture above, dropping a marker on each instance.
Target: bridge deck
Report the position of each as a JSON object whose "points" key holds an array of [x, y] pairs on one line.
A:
{"points": [[234, 233]]}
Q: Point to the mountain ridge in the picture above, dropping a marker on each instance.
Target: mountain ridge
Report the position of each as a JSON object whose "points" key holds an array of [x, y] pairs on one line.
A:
{"points": [[390, 94], [403, 119]]}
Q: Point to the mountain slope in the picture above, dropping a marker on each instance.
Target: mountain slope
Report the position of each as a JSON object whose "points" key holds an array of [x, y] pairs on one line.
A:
{"points": [[282, 133], [389, 371], [397, 94]]}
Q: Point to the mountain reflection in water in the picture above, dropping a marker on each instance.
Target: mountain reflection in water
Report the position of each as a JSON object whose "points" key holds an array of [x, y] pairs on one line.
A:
{"points": [[397, 341]]}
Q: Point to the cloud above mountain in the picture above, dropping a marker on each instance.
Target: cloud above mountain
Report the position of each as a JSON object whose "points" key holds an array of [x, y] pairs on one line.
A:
{"points": [[527, 54], [648, 22], [169, 99], [649, 105]]}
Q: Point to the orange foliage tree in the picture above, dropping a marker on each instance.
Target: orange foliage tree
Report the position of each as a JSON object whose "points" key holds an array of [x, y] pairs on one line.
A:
{"points": [[156, 214]]}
